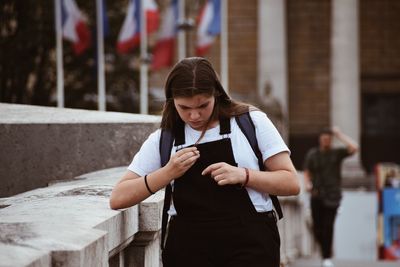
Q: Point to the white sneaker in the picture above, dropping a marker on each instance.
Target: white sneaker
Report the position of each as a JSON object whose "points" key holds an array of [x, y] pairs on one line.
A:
{"points": [[327, 263]]}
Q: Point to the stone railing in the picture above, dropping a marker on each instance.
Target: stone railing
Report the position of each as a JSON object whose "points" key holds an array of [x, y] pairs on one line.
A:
{"points": [[296, 239], [71, 224], [294, 228]]}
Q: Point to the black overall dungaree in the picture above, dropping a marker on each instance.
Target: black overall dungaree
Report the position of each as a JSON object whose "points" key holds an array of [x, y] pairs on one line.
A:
{"points": [[218, 225]]}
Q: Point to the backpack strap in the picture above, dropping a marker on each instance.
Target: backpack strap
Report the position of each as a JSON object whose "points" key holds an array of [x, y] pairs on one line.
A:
{"points": [[166, 142], [249, 130]]}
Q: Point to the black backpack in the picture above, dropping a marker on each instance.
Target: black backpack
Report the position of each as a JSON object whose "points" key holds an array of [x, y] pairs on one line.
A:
{"points": [[166, 141]]}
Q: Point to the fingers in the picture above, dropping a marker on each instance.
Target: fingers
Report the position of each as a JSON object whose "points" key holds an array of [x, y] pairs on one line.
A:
{"points": [[188, 157], [223, 173], [186, 150], [219, 172], [182, 160], [211, 168], [185, 158], [187, 163]]}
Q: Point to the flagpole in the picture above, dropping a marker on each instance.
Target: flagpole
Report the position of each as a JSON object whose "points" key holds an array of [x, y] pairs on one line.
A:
{"points": [[143, 61], [59, 55], [182, 32], [224, 45], [100, 57]]}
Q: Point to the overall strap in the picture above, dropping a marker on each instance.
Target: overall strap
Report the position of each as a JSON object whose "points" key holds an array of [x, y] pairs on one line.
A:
{"points": [[166, 142], [249, 130], [224, 126], [179, 134]]}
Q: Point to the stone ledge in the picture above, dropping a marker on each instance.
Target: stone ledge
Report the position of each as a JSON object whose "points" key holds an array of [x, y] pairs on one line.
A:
{"points": [[27, 114], [72, 222], [68, 245], [43, 144], [14, 255]]}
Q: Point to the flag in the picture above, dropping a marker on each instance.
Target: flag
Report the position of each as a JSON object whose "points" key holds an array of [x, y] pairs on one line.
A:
{"points": [[164, 49], [209, 26], [106, 25], [74, 26], [129, 36]]}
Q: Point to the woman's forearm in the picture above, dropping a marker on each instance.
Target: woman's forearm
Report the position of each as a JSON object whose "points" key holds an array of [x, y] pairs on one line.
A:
{"points": [[280, 182], [280, 178], [132, 188]]}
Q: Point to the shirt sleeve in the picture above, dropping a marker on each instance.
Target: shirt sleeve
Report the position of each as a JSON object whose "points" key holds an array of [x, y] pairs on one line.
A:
{"points": [[147, 159], [308, 160], [269, 140], [342, 152]]}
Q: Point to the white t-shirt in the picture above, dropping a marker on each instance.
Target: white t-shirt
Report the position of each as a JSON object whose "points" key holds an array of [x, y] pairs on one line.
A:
{"points": [[270, 143]]}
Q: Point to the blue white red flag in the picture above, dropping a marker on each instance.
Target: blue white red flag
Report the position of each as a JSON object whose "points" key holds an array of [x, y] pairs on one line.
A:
{"points": [[74, 26], [129, 36], [164, 49], [106, 25], [209, 26]]}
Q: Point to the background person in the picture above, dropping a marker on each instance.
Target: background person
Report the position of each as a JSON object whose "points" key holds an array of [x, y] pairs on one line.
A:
{"points": [[323, 181]]}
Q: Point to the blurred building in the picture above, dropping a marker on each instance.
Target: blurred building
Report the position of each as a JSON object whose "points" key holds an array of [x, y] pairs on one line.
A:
{"points": [[328, 62]]}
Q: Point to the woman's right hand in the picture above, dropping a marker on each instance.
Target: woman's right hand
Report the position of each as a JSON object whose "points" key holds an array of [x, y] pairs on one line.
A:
{"points": [[181, 161]]}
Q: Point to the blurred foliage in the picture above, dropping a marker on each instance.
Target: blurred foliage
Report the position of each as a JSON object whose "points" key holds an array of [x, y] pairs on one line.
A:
{"points": [[27, 53], [28, 58]]}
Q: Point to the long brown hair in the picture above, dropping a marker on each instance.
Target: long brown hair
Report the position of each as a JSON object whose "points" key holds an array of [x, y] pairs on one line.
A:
{"points": [[193, 76]]}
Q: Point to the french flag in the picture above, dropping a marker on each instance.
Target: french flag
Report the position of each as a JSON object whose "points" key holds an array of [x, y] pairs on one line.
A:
{"points": [[209, 26], [164, 49], [129, 36], [74, 26]]}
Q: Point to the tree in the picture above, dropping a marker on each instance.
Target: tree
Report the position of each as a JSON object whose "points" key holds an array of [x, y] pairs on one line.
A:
{"points": [[28, 58], [26, 71]]}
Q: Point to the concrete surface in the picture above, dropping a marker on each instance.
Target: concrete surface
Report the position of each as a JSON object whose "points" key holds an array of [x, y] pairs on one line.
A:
{"points": [[12, 256], [28, 114], [356, 227], [69, 245], [43, 144], [343, 263]]}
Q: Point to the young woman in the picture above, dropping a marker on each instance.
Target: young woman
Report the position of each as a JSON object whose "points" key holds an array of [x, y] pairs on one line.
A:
{"points": [[221, 213]]}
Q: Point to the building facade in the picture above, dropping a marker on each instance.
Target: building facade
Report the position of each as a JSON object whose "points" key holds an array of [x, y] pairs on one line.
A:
{"points": [[328, 62]]}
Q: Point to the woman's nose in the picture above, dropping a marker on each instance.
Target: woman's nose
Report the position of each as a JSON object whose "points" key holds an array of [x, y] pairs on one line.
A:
{"points": [[194, 115]]}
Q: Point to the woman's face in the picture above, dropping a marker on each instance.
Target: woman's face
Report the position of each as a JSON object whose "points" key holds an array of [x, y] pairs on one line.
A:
{"points": [[195, 110]]}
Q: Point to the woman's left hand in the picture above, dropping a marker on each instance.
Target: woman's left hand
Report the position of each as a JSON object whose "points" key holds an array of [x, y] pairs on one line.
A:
{"points": [[224, 173]]}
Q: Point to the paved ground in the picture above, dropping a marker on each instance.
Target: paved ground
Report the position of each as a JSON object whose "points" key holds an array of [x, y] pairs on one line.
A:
{"points": [[344, 263], [355, 227]]}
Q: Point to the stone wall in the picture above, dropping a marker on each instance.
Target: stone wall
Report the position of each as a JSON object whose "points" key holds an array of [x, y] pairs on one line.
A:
{"points": [[308, 33], [379, 43], [43, 144], [380, 81], [308, 26]]}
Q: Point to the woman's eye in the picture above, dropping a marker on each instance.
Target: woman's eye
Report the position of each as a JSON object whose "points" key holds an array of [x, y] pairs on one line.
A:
{"points": [[204, 106]]}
